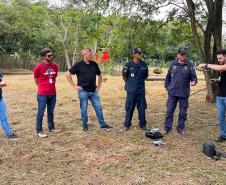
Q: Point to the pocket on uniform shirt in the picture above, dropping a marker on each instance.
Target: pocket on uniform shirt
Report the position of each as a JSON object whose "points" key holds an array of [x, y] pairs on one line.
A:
{"points": [[143, 70], [185, 74], [132, 72]]}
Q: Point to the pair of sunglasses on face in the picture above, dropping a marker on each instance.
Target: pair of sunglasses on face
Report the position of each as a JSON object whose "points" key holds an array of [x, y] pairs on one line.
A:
{"points": [[49, 56], [139, 53]]}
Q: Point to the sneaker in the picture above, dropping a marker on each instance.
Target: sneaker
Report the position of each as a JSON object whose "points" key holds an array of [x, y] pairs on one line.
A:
{"points": [[85, 129], [220, 139], [42, 135], [54, 131], [165, 132], [143, 128], [108, 127], [12, 136], [181, 132], [126, 128]]}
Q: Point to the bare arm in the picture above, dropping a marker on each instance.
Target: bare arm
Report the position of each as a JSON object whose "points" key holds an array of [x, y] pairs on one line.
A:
{"points": [[70, 80], [124, 78], [99, 82], [2, 84], [215, 67], [36, 81]]}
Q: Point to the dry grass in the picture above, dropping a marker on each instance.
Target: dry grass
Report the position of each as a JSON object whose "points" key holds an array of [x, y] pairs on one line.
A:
{"points": [[100, 157]]}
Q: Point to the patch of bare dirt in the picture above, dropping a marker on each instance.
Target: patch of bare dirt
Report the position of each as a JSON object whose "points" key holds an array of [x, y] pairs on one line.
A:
{"points": [[99, 157]]}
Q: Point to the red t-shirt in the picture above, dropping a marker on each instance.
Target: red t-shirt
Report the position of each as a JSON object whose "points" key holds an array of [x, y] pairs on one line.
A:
{"points": [[46, 75]]}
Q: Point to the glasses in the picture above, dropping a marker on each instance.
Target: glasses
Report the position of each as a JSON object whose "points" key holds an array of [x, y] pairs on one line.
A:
{"points": [[49, 56], [139, 53]]}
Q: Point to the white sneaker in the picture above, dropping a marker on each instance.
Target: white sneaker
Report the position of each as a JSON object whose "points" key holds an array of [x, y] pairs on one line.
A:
{"points": [[42, 135]]}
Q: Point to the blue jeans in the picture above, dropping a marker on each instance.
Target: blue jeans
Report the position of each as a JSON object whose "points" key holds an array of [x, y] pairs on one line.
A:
{"points": [[3, 118], [84, 96], [221, 113], [50, 102]]}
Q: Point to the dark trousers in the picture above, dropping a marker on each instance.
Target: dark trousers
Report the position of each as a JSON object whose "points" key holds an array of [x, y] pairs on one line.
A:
{"points": [[50, 102], [171, 106], [132, 100]]}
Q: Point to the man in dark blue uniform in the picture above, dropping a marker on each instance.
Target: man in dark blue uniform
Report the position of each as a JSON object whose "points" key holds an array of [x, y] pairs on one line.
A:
{"points": [[134, 73], [178, 79]]}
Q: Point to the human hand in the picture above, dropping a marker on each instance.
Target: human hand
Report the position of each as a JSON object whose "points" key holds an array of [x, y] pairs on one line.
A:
{"points": [[98, 89], [3, 84], [201, 67], [193, 83], [79, 88]]}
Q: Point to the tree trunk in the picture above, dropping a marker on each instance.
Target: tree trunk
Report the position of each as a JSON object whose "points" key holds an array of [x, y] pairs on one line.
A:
{"points": [[75, 53], [66, 56], [213, 29], [64, 43], [191, 14]]}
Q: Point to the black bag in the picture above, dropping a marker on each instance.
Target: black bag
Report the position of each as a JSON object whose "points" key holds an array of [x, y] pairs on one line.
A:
{"points": [[209, 150], [153, 133]]}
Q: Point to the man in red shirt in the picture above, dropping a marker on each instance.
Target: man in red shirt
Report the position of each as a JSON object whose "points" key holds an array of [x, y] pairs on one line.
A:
{"points": [[45, 73]]}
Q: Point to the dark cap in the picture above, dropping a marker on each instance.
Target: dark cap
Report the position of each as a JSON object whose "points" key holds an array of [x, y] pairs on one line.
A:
{"points": [[181, 50], [136, 50]]}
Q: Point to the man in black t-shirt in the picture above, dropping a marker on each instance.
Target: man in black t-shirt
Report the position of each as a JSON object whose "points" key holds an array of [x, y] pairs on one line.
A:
{"points": [[86, 71], [221, 96]]}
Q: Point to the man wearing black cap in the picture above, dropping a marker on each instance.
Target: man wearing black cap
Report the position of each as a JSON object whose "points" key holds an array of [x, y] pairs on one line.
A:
{"points": [[134, 73], [180, 76]]}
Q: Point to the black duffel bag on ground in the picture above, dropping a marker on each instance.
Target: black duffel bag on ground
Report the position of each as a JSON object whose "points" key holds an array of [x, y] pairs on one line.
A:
{"points": [[153, 133]]}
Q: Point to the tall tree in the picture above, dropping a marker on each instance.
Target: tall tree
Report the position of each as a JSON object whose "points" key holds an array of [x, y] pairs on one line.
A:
{"points": [[207, 17]]}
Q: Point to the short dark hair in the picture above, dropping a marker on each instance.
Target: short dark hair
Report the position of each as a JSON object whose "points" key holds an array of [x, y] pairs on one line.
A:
{"points": [[221, 52], [44, 51]]}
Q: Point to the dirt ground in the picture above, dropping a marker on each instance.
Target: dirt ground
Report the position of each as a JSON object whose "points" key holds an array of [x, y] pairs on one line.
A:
{"points": [[102, 157]]}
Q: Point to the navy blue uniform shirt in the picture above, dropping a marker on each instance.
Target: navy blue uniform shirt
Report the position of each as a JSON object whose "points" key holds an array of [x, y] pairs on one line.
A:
{"points": [[179, 77], [135, 74]]}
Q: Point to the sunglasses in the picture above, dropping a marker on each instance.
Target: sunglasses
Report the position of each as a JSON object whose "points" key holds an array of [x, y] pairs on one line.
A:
{"points": [[139, 53], [48, 56]]}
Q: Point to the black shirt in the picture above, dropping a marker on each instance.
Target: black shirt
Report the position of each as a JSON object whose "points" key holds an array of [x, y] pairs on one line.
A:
{"points": [[86, 74], [222, 85]]}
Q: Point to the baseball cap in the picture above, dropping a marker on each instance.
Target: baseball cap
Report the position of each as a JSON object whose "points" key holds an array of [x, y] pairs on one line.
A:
{"points": [[182, 50], [136, 50]]}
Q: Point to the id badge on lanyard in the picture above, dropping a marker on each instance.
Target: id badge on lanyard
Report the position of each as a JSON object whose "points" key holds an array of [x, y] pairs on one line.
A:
{"points": [[50, 80]]}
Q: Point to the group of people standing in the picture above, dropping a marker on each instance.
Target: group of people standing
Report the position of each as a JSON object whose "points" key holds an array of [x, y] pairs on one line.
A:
{"points": [[180, 76]]}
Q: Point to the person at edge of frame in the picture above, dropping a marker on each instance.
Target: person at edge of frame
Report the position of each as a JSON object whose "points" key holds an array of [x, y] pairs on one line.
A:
{"points": [[221, 95], [134, 73], [3, 113]]}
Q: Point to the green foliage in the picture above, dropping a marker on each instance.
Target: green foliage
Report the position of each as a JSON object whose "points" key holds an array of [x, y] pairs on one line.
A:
{"points": [[26, 27]]}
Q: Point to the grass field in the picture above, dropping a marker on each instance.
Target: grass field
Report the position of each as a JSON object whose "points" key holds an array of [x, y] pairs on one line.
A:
{"points": [[101, 157]]}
